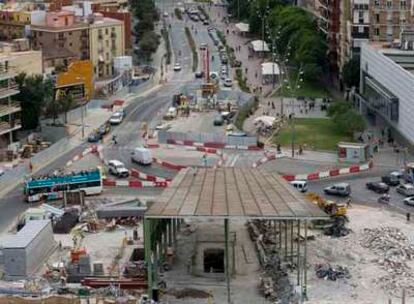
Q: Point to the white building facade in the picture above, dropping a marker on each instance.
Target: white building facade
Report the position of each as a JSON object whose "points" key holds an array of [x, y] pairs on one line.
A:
{"points": [[387, 91]]}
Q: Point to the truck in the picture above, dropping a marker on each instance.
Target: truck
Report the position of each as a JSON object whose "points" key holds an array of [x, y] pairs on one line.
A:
{"points": [[142, 156]]}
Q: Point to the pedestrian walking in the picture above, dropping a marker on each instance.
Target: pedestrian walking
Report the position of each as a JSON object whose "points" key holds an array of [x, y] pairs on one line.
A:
{"points": [[114, 139], [255, 75], [348, 203], [408, 216], [245, 70], [273, 105]]}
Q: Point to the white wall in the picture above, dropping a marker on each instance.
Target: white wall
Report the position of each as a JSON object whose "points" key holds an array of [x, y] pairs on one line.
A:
{"points": [[397, 80]]}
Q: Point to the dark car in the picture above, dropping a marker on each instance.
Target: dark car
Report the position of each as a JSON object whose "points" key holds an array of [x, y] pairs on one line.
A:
{"points": [[104, 129], [94, 137], [378, 187], [199, 74], [390, 180], [236, 64]]}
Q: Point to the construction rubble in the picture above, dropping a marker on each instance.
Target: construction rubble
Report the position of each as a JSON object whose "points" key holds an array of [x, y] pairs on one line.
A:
{"points": [[337, 227], [275, 281], [394, 251], [328, 272]]}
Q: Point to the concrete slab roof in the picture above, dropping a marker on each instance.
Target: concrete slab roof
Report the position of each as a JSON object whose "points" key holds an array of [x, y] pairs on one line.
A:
{"points": [[232, 193]]}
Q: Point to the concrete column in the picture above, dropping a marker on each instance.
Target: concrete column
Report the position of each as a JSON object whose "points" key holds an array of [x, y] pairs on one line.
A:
{"points": [[298, 260], [291, 241], [286, 238], [226, 254], [280, 236], [170, 238]]}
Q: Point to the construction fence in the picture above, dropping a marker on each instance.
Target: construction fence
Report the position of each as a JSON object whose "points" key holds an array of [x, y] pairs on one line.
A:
{"points": [[165, 137]]}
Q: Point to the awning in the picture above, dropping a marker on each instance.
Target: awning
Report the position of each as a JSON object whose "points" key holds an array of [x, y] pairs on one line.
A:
{"points": [[270, 68], [266, 120], [242, 27], [260, 46]]}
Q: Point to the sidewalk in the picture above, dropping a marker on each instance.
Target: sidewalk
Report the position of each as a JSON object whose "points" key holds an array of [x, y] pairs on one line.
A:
{"points": [[251, 67]]}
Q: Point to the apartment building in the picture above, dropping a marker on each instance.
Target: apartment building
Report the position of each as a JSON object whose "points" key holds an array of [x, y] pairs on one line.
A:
{"points": [[20, 57], [15, 23], [62, 39], [106, 39], [9, 110], [388, 18]]}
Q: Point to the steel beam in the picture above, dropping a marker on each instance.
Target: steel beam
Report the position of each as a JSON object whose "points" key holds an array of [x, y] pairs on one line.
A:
{"points": [[148, 255], [298, 260], [305, 253], [226, 253]]}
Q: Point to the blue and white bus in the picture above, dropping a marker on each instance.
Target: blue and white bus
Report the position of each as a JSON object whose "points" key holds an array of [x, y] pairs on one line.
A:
{"points": [[52, 187]]}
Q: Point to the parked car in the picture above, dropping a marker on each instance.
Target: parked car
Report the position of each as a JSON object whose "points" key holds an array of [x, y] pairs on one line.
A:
{"points": [[142, 156], [236, 64], [94, 137], [203, 46], [390, 180], [406, 189], [117, 168], [116, 118], [409, 201], [206, 22], [300, 185], [218, 120], [228, 82], [397, 174], [237, 134], [342, 189], [199, 74], [378, 187], [104, 129], [177, 67]]}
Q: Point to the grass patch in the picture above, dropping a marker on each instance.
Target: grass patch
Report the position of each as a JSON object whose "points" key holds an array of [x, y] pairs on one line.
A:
{"points": [[193, 48], [178, 14], [242, 81], [313, 133], [164, 33], [311, 89], [245, 112]]}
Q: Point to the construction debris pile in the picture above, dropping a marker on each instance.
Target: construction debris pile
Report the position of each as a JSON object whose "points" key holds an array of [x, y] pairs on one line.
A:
{"points": [[394, 251], [275, 281], [327, 272], [337, 227]]}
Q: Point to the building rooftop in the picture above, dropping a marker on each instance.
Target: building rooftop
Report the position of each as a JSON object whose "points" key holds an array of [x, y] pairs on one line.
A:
{"points": [[232, 193], [26, 235], [44, 27], [404, 58]]}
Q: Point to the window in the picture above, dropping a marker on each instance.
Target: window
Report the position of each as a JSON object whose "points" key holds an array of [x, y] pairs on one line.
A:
{"points": [[40, 34], [389, 4], [107, 56], [106, 31], [66, 21], [377, 18], [403, 4], [70, 44], [377, 31], [376, 3], [70, 33]]}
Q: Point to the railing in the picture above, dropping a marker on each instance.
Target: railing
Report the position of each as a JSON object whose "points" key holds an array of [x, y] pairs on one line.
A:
{"points": [[9, 89], [8, 109], [6, 126]]}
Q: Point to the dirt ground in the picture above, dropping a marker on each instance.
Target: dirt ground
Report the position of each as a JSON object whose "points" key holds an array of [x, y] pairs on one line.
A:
{"points": [[361, 262]]}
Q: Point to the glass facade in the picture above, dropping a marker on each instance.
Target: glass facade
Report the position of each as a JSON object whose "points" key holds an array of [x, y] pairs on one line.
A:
{"points": [[380, 99]]}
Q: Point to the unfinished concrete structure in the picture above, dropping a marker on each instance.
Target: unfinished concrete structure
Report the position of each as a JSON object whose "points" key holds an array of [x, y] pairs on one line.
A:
{"points": [[24, 251], [226, 194]]}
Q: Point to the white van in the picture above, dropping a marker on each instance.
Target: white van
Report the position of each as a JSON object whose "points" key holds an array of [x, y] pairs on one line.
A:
{"points": [[300, 185], [142, 156]]}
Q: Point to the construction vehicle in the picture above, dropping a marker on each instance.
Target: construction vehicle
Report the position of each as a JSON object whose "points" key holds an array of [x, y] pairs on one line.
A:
{"points": [[330, 207]]}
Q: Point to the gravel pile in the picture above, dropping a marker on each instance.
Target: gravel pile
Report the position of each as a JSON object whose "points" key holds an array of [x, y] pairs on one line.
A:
{"points": [[394, 251]]}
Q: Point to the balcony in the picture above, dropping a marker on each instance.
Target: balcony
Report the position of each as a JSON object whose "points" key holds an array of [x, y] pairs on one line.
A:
{"points": [[6, 109], [7, 127], [10, 90]]}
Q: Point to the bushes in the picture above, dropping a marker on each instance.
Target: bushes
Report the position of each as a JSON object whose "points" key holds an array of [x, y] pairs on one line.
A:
{"points": [[193, 48], [178, 14], [346, 118], [244, 112], [242, 81], [164, 33]]}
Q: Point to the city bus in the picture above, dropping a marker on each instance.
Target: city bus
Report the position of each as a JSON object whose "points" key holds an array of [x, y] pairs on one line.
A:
{"points": [[53, 186]]}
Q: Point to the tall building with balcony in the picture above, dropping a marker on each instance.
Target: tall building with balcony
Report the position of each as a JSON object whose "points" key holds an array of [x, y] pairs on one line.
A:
{"points": [[9, 110], [329, 24], [62, 39], [106, 39], [388, 18]]}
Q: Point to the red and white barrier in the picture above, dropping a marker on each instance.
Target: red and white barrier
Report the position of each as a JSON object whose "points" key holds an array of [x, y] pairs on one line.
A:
{"points": [[168, 164], [330, 173], [147, 177], [268, 156], [134, 183], [91, 149], [213, 145]]}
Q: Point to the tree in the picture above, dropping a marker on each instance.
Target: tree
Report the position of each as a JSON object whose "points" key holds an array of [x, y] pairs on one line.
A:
{"points": [[66, 104], [351, 72], [34, 93], [148, 45], [338, 107], [350, 121]]}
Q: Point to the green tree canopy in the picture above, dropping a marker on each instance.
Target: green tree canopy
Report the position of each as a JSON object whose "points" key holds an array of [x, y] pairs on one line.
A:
{"points": [[351, 72]]}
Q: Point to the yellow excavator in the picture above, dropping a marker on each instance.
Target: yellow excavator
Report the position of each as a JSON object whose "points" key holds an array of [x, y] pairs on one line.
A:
{"points": [[330, 207]]}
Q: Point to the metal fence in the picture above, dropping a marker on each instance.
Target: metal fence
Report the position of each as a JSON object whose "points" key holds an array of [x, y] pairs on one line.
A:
{"points": [[165, 136]]}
